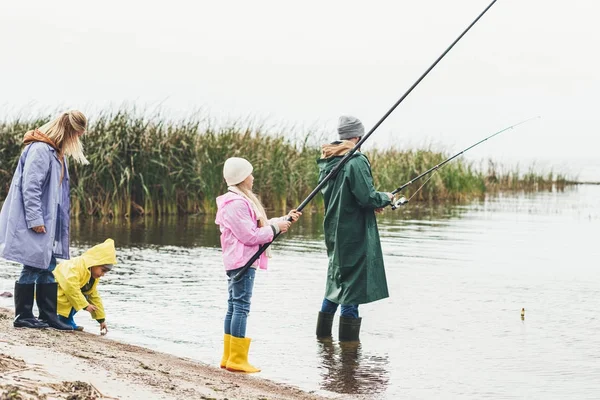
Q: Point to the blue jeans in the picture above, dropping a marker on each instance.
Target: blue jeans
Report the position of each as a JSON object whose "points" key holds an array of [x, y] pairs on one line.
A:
{"points": [[238, 303], [70, 320], [31, 275], [348, 311]]}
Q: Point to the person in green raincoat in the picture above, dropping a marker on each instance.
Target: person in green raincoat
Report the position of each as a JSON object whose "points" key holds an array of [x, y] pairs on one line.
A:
{"points": [[356, 273]]}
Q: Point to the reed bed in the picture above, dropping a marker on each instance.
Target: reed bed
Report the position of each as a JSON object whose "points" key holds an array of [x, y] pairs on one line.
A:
{"points": [[142, 165]]}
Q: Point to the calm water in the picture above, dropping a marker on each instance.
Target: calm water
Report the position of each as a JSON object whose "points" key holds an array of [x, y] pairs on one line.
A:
{"points": [[451, 329]]}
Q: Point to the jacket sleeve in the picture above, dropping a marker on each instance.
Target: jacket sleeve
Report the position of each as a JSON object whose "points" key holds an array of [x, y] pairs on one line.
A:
{"points": [[95, 299], [361, 185], [237, 218], [69, 280], [35, 171], [273, 221]]}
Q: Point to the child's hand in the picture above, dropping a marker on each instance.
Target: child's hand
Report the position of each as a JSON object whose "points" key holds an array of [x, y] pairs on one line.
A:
{"points": [[294, 215], [91, 308], [283, 226], [103, 329]]}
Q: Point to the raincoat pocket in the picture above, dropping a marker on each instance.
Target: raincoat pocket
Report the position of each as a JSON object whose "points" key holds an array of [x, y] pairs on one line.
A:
{"points": [[56, 242]]}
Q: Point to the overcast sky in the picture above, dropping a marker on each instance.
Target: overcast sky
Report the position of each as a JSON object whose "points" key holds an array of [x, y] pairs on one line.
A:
{"points": [[305, 63]]}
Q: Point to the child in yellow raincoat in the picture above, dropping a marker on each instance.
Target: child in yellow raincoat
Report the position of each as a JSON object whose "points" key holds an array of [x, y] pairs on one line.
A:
{"points": [[78, 284]]}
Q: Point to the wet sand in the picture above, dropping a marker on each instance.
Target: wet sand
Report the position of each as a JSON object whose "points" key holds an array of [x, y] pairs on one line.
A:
{"points": [[48, 364]]}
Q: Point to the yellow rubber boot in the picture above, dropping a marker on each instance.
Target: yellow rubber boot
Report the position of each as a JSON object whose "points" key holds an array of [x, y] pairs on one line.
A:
{"points": [[226, 342], [238, 356]]}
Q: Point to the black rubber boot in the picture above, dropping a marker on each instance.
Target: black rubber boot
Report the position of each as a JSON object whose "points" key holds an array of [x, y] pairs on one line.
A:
{"points": [[349, 329], [46, 296], [324, 323], [23, 308]]}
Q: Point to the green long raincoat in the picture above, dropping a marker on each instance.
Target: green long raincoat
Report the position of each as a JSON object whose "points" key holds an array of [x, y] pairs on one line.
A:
{"points": [[356, 274]]}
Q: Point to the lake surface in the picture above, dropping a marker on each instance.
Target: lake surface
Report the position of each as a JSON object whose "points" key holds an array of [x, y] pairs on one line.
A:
{"points": [[452, 328]]}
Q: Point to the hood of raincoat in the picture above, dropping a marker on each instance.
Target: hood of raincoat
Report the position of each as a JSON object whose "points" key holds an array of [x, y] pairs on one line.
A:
{"points": [[225, 199], [336, 149], [101, 254], [38, 136], [332, 153]]}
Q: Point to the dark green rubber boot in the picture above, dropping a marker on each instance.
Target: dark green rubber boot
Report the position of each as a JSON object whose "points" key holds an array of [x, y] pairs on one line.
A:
{"points": [[324, 323], [349, 329]]}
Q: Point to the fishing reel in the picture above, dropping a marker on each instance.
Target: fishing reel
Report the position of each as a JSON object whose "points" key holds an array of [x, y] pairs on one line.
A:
{"points": [[399, 203]]}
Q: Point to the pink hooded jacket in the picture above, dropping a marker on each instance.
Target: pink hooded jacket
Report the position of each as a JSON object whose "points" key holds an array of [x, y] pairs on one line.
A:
{"points": [[240, 234]]}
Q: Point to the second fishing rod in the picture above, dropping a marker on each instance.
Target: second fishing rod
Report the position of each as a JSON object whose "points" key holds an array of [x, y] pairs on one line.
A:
{"points": [[402, 200], [348, 155]]}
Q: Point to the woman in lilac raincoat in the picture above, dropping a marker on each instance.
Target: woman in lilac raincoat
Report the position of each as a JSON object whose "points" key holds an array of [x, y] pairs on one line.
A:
{"points": [[244, 226], [34, 221]]}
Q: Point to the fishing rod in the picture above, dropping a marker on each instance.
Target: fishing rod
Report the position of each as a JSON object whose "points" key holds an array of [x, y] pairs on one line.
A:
{"points": [[402, 200], [348, 155]]}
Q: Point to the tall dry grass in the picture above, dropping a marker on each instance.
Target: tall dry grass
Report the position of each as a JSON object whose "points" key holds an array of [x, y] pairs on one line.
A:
{"points": [[142, 165]]}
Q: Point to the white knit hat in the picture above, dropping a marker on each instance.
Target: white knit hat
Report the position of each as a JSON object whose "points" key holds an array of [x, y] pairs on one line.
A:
{"points": [[236, 169]]}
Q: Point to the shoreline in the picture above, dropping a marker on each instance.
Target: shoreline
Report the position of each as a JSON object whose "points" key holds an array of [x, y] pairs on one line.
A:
{"points": [[49, 364]]}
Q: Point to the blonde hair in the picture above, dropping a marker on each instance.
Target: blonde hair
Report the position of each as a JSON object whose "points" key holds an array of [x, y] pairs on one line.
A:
{"points": [[64, 131], [258, 207]]}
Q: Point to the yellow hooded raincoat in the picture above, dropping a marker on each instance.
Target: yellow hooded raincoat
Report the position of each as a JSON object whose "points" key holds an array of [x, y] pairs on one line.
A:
{"points": [[74, 274]]}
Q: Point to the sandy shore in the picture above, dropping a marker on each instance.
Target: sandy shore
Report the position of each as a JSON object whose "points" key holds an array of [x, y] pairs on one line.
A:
{"points": [[48, 364]]}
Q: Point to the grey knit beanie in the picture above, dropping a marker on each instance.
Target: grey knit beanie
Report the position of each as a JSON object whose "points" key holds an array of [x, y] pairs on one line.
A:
{"points": [[349, 127]]}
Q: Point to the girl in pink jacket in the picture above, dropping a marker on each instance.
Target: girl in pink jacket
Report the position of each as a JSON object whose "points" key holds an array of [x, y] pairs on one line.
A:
{"points": [[244, 227]]}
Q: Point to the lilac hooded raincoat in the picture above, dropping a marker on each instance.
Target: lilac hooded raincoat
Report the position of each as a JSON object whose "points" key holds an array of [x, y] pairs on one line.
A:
{"points": [[36, 197]]}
